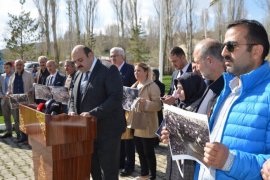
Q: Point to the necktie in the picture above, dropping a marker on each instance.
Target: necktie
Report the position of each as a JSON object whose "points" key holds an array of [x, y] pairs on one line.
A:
{"points": [[84, 82], [51, 81], [180, 72]]}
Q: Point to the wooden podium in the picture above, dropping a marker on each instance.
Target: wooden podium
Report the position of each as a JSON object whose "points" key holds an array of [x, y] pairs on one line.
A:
{"points": [[62, 145]]}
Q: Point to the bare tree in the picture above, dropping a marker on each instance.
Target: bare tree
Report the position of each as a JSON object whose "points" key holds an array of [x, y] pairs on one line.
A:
{"points": [[236, 10], [55, 45], [204, 20], [90, 16], [172, 21], [43, 10], [118, 6], [77, 20], [70, 24], [189, 5], [219, 19]]}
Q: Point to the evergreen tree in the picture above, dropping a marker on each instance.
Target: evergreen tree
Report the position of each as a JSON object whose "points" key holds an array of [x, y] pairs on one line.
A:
{"points": [[23, 34], [137, 45]]}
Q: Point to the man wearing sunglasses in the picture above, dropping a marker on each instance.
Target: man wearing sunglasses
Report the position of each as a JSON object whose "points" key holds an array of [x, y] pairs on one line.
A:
{"points": [[239, 125]]}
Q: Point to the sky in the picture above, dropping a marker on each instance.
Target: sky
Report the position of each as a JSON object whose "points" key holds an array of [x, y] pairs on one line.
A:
{"points": [[106, 13]]}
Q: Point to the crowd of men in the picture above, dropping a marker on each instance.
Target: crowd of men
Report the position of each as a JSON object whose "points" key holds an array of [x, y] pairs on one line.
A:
{"points": [[236, 101]]}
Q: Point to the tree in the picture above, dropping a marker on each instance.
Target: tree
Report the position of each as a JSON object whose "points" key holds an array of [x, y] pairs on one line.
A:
{"points": [[236, 10], [77, 20], [118, 6], [55, 45], [43, 10], [137, 41], [219, 20], [90, 16], [23, 34], [70, 24], [137, 44], [189, 27]]}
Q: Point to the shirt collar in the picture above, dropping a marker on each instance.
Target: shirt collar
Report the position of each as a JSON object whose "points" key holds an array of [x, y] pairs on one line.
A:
{"points": [[184, 69], [54, 74], [93, 65], [235, 84], [120, 67]]}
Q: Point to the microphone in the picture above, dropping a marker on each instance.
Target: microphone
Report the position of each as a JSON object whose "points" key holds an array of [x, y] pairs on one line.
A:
{"points": [[41, 107]]}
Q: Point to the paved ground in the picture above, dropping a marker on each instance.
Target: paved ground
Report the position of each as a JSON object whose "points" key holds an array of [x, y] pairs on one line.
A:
{"points": [[16, 161]]}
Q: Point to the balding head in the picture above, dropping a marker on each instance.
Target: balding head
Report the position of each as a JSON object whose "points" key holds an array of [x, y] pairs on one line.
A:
{"points": [[209, 47], [208, 59], [51, 66], [83, 57]]}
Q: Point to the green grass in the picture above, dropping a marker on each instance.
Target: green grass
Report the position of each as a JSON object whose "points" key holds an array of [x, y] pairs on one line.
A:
{"points": [[1, 119], [167, 81]]}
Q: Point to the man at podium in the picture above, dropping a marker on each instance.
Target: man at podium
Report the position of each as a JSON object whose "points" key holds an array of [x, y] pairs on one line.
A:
{"points": [[98, 92]]}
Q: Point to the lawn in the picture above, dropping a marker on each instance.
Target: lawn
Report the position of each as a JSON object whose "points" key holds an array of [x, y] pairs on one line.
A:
{"points": [[166, 81], [1, 119]]}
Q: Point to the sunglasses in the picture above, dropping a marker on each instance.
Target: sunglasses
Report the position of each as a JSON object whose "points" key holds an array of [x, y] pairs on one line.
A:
{"points": [[230, 45]]}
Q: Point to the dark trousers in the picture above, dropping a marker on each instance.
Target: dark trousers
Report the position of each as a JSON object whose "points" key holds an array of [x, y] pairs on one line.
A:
{"points": [[147, 156], [127, 155], [105, 159]]}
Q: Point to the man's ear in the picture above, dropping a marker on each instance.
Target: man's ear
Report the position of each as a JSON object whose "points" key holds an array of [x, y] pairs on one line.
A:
{"points": [[209, 59], [257, 51]]}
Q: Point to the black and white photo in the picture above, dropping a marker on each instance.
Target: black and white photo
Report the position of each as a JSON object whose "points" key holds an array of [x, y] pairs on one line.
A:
{"points": [[188, 133], [16, 99], [129, 95], [58, 93]]}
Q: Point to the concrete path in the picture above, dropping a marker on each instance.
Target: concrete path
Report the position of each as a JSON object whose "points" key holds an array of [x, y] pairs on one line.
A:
{"points": [[16, 161]]}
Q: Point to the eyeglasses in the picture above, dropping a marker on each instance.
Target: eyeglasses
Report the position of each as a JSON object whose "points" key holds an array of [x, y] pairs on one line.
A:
{"points": [[114, 56], [230, 45]]}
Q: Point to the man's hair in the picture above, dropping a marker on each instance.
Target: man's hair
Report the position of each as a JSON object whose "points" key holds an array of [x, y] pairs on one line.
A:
{"points": [[177, 51], [256, 33], [211, 47], [8, 64], [70, 62], [118, 50], [42, 57], [86, 50]]}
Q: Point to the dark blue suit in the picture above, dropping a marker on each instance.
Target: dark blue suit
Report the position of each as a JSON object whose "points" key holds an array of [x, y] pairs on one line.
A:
{"points": [[127, 151], [59, 80], [103, 99]]}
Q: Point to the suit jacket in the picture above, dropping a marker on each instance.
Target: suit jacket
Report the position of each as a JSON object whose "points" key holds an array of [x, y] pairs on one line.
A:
{"points": [[174, 76], [102, 99], [127, 74], [58, 81], [2, 84], [41, 77]]}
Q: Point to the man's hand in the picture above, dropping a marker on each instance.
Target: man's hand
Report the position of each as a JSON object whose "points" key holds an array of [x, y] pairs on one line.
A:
{"points": [[215, 155], [164, 138], [85, 114], [72, 113], [168, 99], [266, 170]]}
